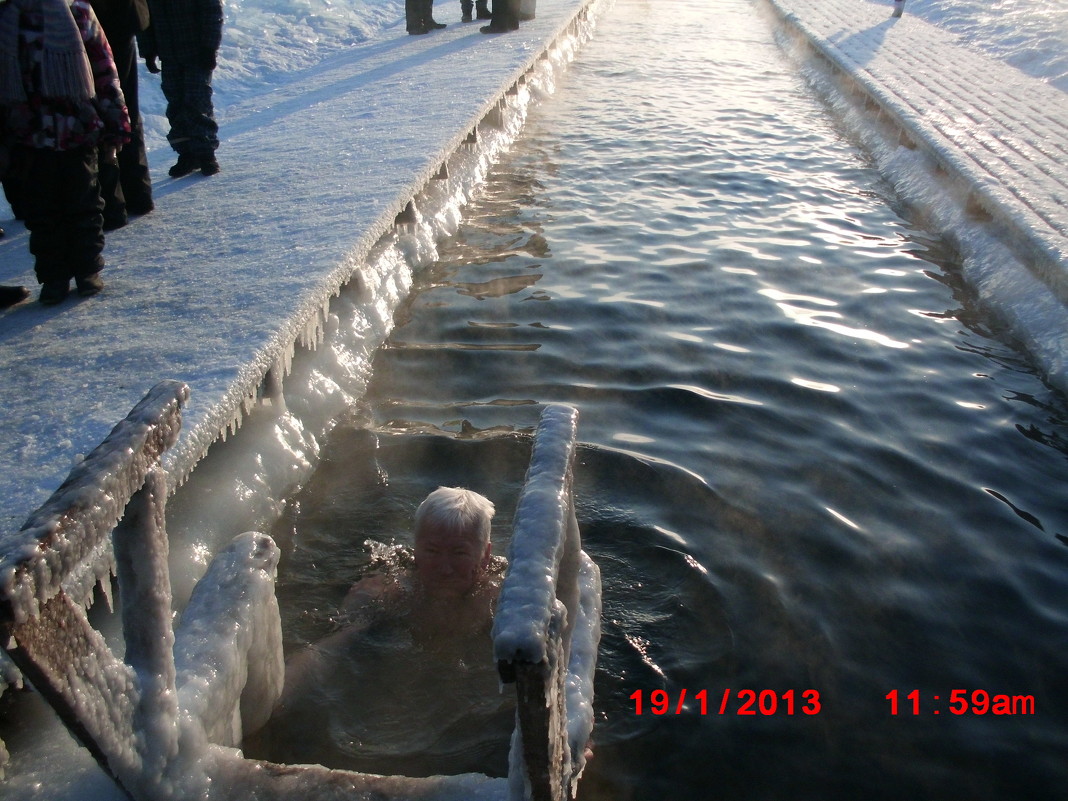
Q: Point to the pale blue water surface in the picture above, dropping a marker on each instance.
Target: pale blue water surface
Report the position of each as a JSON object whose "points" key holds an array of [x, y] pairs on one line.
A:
{"points": [[808, 462]]}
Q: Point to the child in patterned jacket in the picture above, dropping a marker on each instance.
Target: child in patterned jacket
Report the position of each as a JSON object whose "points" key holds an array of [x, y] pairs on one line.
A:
{"points": [[59, 101]]}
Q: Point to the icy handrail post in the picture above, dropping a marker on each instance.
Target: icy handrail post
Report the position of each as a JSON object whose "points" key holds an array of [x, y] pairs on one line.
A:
{"points": [[228, 646], [540, 603], [141, 551], [46, 632], [78, 518]]}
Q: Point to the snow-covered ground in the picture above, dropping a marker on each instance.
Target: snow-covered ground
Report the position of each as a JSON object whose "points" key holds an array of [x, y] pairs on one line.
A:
{"points": [[268, 42], [1032, 35]]}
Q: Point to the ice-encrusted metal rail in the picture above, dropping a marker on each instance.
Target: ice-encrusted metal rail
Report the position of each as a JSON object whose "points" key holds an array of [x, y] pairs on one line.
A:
{"points": [[167, 720]]}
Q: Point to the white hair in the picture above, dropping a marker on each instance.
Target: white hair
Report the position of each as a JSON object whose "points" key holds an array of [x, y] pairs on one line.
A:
{"points": [[456, 510]]}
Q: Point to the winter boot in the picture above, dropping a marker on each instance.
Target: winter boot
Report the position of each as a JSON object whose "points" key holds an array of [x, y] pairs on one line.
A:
{"points": [[187, 162], [10, 295], [428, 16], [504, 17], [89, 285], [53, 292], [413, 17], [466, 7]]}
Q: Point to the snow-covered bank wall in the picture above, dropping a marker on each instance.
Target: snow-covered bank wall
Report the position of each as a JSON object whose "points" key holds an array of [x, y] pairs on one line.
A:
{"points": [[325, 367], [974, 148]]}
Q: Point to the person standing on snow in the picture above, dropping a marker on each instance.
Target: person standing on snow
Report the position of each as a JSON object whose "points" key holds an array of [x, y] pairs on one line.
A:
{"points": [[184, 36], [480, 7], [125, 184], [59, 101], [419, 17], [504, 17]]}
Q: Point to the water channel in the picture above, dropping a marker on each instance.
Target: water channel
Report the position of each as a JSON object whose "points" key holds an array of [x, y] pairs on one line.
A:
{"points": [[811, 467]]}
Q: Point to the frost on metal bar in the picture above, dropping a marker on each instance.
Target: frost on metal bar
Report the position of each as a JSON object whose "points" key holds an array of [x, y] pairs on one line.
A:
{"points": [[75, 521], [547, 627]]}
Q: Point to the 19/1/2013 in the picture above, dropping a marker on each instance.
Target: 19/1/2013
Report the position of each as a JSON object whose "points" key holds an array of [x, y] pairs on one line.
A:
{"points": [[745, 702]]}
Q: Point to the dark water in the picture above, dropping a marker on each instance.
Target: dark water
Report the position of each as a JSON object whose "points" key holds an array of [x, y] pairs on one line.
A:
{"points": [[809, 462]]}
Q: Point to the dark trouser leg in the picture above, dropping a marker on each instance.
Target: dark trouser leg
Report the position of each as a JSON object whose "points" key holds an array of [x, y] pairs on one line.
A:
{"points": [[85, 243], [413, 16], [189, 109], [133, 172], [110, 181], [172, 82], [482, 9], [111, 190], [428, 13], [205, 128], [505, 17], [466, 8], [14, 180], [63, 212], [133, 160]]}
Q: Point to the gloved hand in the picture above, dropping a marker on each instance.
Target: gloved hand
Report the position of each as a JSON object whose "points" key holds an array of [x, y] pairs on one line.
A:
{"points": [[151, 64]]}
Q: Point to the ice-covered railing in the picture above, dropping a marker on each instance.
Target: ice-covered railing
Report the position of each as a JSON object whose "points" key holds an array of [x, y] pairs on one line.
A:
{"points": [[547, 627], [165, 719]]}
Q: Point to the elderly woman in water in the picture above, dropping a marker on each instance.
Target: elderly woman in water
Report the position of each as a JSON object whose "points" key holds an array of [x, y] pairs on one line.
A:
{"points": [[409, 684], [454, 583]]}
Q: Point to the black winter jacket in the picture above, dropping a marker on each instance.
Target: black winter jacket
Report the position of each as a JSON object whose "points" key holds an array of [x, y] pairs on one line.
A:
{"points": [[124, 18], [183, 31]]}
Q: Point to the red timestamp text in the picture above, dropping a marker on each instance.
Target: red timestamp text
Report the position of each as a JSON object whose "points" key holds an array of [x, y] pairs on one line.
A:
{"points": [[727, 702], [960, 702]]}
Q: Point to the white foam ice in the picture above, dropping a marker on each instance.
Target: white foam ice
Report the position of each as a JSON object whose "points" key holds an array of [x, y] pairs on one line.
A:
{"points": [[582, 664]]}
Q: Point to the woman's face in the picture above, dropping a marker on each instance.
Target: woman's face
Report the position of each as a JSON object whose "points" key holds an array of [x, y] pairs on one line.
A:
{"points": [[449, 564]]}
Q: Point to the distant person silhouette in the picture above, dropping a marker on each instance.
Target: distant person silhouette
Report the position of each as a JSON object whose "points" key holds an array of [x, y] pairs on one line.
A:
{"points": [[184, 37], [506, 14], [125, 183], [59, 102], [479, 7], [419, 17]]}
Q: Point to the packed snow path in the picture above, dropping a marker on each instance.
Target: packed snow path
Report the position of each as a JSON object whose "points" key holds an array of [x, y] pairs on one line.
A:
{"points": [[216, 286]]}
